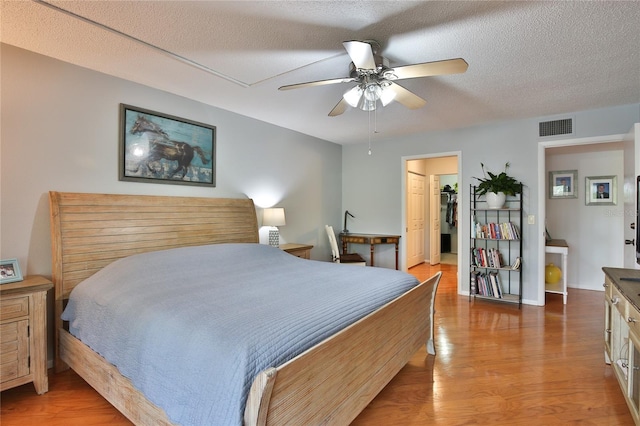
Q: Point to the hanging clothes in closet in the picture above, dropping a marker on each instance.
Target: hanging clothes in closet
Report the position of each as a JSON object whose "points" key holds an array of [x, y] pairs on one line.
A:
{"points": [[452, 210]]}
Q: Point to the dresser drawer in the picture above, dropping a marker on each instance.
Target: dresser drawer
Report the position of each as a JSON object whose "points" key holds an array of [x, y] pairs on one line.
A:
{"points": [[14, 307], [619, 302], [608, 287], [633, 319]]}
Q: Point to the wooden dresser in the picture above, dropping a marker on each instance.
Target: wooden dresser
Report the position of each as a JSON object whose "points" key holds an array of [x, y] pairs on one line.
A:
{"points": [[622, 332], [23, 333]]}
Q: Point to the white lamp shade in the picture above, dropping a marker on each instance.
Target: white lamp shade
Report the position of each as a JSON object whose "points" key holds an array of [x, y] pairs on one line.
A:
{"points": [[386, 95], [273, 217], [353, 96]]}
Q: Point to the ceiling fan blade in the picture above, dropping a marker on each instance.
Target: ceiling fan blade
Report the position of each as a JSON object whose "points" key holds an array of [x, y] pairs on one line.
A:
{"points": [[339, 108], [361, 54], [449, 66], [406, 98], [317, 83]]}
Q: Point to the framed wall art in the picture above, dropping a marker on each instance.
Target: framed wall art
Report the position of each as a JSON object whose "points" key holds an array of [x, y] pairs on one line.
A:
{"points": [[10, 271], [563, 184], [600, 190], [161, 148]]}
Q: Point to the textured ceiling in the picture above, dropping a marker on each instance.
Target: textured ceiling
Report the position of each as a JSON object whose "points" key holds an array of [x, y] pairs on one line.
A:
{"points": [[526, 59]]}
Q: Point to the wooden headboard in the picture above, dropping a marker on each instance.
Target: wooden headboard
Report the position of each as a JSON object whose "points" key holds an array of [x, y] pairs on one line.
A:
{"points": [[89, 231]]}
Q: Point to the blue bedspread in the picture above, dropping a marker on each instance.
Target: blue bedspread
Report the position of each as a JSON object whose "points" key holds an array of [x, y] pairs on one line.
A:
{"points": [[191, 327]]}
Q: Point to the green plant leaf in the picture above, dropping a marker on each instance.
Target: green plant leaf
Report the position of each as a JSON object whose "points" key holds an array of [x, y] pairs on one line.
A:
{"points": [[501, 182]]}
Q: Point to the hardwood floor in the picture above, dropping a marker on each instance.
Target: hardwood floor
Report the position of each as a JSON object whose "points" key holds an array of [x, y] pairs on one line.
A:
{"points": [[495, 364]]}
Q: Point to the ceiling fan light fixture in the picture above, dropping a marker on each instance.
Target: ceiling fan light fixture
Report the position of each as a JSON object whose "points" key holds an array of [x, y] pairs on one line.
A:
{"points": [[387, 95], [367, 105], [372, 92], [353, 95]]}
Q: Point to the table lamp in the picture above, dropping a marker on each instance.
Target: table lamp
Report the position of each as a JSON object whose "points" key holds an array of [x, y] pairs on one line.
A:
{"points": [[273, 217]]}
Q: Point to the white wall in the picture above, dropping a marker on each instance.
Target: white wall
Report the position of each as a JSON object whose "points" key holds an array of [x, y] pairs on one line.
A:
{"points": [[594, 233], [372, 184], [60, 132]]}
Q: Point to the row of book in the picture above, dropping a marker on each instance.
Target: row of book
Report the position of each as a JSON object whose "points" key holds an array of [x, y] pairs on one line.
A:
{"points": [[486, 284], [486, 258], [496, 231], [491, 258]]}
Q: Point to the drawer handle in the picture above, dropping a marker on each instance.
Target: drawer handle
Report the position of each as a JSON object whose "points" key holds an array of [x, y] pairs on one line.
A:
{"points": [[605, 285], [631, 319], [615, 300]]}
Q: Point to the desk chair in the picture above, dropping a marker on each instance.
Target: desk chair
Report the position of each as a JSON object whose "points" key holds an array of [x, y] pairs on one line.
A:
{"points": [[351, 258]]}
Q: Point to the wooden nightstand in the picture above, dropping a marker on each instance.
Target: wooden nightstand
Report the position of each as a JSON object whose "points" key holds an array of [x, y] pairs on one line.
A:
{"points": [[23, 333], [299, 250]]}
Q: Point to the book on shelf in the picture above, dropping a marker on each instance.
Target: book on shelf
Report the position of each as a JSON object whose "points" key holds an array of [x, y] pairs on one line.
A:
{"points": [[495, 284], [516, 264]]}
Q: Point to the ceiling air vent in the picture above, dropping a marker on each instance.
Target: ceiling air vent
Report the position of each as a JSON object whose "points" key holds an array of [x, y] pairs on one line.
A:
{"points": [[556, 127]]}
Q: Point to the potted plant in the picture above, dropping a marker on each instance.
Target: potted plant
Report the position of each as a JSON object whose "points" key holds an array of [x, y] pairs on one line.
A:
{"points": [[497, 186]]}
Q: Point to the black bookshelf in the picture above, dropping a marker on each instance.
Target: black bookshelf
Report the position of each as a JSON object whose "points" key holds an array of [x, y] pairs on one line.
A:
{"points": [[495, 271]]}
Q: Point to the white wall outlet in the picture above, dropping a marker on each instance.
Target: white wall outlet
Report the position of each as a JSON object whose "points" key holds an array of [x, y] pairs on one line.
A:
{"points": [[532, 219]]}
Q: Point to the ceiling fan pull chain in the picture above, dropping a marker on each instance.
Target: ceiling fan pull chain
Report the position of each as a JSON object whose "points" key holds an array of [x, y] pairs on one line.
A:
{"points": [[375, 119], [369, 132]]}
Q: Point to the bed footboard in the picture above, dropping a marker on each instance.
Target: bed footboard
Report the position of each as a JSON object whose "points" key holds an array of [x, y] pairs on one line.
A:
{"points": [[335, 380]]}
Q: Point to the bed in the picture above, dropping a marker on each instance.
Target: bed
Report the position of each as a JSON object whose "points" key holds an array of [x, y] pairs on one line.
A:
{"points": [[328, 382]]}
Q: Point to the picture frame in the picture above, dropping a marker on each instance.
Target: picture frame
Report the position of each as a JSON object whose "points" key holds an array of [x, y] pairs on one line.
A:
{"points": [[10, 271], [161, 148], [601, 190], [563, 184]]}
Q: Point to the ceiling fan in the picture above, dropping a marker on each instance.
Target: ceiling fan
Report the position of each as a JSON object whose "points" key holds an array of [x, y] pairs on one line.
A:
{"points": [[376, 81]]}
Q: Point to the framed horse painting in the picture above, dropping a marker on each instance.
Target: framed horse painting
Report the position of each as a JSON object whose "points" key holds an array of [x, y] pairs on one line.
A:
{"points": [[161, 148]]}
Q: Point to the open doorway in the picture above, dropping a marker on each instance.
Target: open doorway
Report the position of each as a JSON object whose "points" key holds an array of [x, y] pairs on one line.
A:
{"points": [[593, 156], [431, 200]]}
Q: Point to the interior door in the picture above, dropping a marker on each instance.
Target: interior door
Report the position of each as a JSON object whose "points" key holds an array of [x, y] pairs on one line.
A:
{"points": [[415, 219], [434, 219], [631, 152]]}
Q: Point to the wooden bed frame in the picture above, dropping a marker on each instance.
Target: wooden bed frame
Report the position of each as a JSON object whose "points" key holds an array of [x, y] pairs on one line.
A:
{"points": [[331, 382]]}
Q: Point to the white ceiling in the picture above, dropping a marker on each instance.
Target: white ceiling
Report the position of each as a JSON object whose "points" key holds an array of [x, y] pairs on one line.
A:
{"points": [[526, 59]]}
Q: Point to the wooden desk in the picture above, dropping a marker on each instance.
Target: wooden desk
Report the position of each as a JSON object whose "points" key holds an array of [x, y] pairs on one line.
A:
{"points": [[371, 239], [559, 247]]}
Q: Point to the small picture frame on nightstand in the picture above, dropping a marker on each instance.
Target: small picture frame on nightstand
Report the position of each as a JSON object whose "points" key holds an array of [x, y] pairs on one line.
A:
{"points": [[10, 271]]}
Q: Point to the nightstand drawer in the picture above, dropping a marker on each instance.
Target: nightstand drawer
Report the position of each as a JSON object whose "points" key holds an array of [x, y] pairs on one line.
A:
{"points": [[14, 361], [14, 308], [299, 250]]}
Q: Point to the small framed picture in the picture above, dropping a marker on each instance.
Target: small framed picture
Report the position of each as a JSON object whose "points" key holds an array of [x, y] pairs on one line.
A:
{"points": [[10, 271], [601, 190], [563, 184]]}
